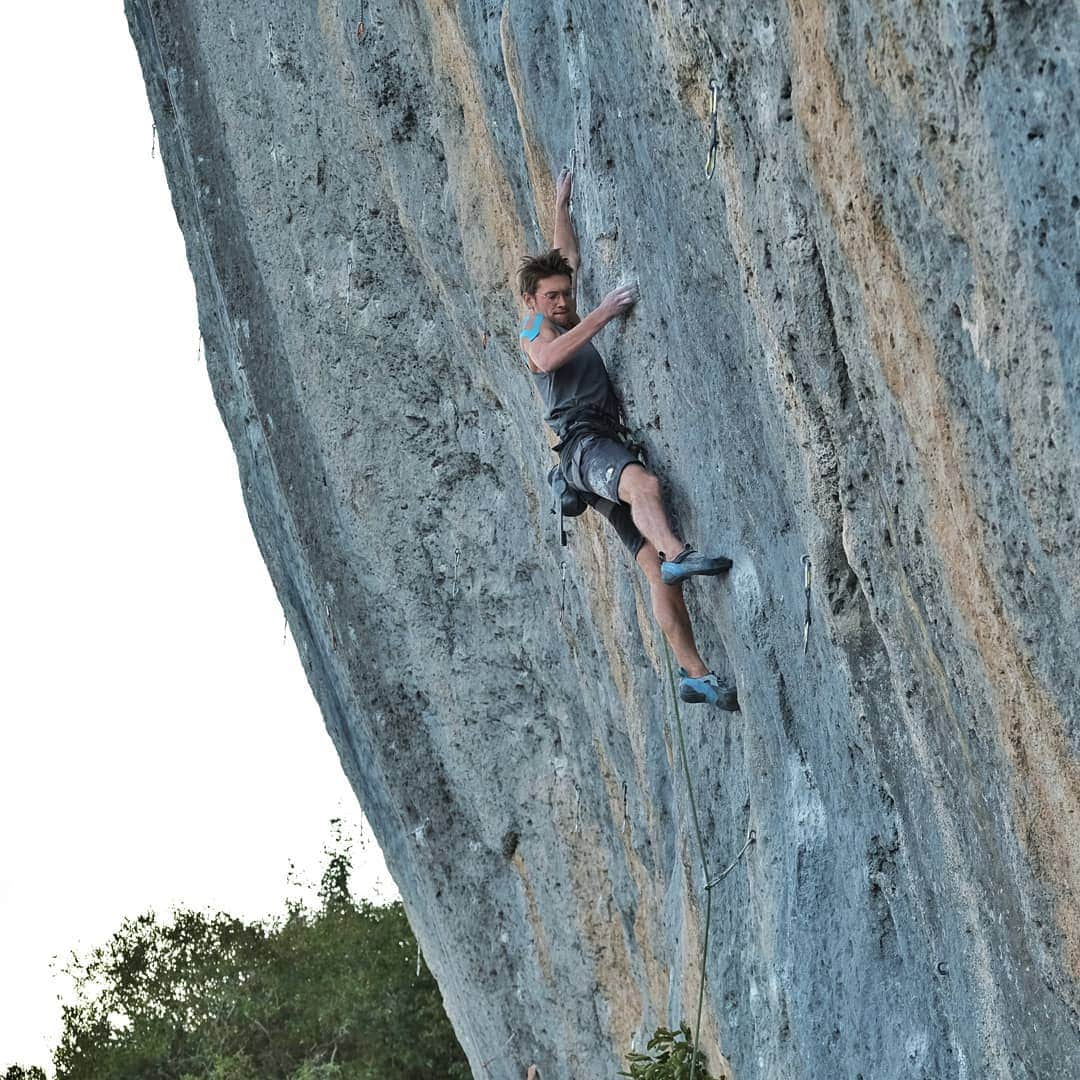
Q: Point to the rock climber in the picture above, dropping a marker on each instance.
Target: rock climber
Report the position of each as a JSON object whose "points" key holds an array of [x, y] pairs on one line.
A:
{"points": [[595, 454]]}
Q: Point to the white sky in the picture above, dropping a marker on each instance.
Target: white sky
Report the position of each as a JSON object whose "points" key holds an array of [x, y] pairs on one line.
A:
{"points": [[159, 744]]}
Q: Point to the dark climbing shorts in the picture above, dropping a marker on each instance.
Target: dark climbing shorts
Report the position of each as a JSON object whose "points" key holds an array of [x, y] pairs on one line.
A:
{"points": [[619, 516], [593, 464]]}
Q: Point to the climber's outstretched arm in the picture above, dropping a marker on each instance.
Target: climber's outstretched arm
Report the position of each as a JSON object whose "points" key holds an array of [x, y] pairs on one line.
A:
{"points": [[565, 237]]}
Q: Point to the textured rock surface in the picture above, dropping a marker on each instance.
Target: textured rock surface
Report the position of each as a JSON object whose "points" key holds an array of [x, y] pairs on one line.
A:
{"points": [[859, 341]]}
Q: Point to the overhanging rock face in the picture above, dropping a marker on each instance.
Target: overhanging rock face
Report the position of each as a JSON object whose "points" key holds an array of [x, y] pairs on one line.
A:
{"points": [[858, 341]]}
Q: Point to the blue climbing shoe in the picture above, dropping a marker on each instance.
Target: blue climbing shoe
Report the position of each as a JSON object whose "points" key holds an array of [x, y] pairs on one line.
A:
{"points": [[708, 689], [689, 562]]}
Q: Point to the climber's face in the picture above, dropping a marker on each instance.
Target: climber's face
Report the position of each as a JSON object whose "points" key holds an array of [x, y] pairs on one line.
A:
{"points": [[554, 299]]}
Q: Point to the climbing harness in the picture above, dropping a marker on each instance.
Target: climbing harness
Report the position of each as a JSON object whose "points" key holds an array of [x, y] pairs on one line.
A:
{"points": [[568, 501], [714, 146], [709, 883], [808, 574], [592, 420]]}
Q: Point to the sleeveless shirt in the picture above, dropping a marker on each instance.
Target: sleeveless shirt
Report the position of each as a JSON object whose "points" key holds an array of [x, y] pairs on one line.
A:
{"points": [[580, 386]]}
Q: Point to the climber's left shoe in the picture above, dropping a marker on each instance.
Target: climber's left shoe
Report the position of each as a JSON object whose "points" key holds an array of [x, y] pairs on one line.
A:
{"points": [[707, 689], [689, 562]]}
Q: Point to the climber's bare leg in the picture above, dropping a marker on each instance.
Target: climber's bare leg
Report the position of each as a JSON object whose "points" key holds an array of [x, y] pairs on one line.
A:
{"points": [[670, 612], [641, 490]]}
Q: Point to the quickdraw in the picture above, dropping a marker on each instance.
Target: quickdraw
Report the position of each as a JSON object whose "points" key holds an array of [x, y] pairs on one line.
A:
{"points": [[751, 837], [573, 177], [714, 146], [502, 1053], [808, 576]]}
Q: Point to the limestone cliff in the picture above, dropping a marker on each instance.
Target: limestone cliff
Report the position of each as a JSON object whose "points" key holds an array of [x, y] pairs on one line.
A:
{"points": [[858, 341]]}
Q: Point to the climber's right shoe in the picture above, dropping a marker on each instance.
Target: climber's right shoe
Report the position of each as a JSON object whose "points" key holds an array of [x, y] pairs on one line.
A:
{"points": [[689, 562], [707, 689]]}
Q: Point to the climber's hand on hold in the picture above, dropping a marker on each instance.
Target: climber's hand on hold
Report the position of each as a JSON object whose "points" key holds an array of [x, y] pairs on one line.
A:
{"points": [[564, 188], [619, 301]]}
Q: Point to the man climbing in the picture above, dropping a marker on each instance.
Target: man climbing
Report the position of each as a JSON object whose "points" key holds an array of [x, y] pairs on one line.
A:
{"points": [[582, 409]]}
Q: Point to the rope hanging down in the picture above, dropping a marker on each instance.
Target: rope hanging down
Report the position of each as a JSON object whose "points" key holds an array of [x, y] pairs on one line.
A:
{"points": [[751, 837]]}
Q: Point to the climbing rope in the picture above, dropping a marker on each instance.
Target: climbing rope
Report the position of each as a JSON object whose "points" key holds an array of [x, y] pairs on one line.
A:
{"points": [[709, 883], [714, 146], [685, 762], [701, 851], [361, 26], [808, 575]]}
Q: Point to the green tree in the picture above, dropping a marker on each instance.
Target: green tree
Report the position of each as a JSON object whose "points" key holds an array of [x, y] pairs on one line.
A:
{"points": [[670, 1057], [329, 994], [17, 1072]]}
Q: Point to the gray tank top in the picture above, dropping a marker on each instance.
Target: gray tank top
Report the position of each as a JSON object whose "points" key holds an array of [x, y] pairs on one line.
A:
{"points": [[582, 383]]}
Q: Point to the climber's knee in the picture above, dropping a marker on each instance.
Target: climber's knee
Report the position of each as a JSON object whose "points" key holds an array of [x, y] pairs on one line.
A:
{"points": [[636, 483]]}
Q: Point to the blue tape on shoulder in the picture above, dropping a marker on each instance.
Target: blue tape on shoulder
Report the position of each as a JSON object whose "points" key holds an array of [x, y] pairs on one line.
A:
{"points": [[529, 329]]}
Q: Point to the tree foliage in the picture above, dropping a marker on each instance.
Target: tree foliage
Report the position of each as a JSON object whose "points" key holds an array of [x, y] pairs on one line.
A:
{"points": [[329, 994], [670, 1056]]}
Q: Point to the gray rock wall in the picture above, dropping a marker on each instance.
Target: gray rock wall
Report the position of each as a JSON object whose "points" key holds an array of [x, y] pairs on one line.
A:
{"points": [[858, 341]]}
